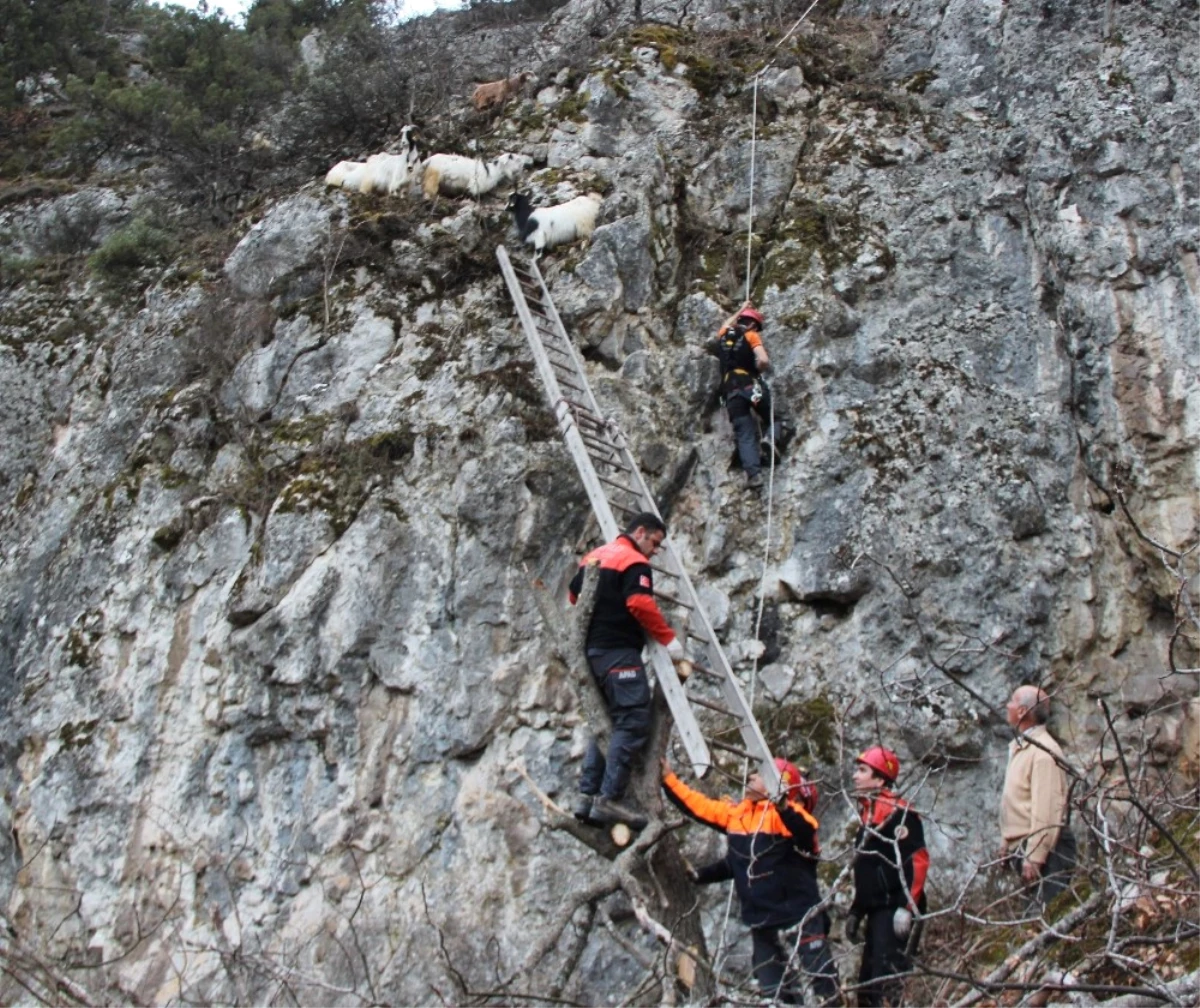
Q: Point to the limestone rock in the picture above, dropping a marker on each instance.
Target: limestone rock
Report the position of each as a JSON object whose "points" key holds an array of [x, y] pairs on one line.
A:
{"points": [[289, 239]]}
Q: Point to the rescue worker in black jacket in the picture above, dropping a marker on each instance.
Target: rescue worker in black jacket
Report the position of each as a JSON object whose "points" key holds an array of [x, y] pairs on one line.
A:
{"points": [[624, 615], [890, 865], [739, 347], [772, 857]]}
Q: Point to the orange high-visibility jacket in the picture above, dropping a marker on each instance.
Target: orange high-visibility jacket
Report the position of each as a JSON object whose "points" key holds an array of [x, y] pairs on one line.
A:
{"points": [[772, 854]]}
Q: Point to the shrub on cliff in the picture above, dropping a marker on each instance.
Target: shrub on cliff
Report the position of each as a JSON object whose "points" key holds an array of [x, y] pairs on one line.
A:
{"points": [[140, 243]]}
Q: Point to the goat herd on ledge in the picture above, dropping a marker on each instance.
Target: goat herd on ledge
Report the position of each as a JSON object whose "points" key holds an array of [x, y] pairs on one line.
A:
{"points": [[394, 173]]}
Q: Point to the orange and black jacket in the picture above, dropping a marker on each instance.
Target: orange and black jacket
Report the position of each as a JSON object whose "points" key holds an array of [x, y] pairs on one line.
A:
{"points": [[886, 825], [625, 608], [771, 857]]}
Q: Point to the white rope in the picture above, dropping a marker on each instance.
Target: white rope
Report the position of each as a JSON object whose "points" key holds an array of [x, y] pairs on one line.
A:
{"points": [[750, 211], [718, 965], [762, 584], [754, 138]]}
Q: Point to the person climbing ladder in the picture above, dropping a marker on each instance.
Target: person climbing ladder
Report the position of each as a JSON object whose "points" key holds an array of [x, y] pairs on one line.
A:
{"points": [[625, 613]]}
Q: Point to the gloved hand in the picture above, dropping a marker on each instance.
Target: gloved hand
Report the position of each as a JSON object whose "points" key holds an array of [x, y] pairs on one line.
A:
{"points": [[853, 923], [902, 922], [675, 651]]}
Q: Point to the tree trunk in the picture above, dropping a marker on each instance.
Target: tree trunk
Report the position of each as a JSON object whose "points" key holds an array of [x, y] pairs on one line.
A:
{"points": [[658, 880]]}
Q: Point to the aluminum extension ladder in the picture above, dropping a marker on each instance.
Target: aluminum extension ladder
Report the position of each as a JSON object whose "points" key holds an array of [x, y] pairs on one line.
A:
{"points": [[614, 484]]}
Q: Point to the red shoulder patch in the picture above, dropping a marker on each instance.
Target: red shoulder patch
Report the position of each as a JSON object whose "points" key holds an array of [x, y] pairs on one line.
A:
{"points": [[644, 580]]}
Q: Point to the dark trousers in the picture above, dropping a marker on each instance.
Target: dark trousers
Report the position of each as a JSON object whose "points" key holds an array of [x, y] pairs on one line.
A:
{"points": [[771, 953], [622, 679], [883, 957], [745, 427], [1059, 866]]}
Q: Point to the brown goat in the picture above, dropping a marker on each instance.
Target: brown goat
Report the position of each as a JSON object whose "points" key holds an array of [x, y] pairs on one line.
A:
{"points": [[498, 92]]}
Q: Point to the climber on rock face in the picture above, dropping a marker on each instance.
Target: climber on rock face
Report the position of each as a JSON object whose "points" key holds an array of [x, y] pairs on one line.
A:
{"points": [[625, 613], [739, 347], [772, 857]]}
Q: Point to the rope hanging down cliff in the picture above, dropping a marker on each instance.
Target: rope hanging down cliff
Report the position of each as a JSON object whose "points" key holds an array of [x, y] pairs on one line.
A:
{"points": [[722, 944], [749, 274]]}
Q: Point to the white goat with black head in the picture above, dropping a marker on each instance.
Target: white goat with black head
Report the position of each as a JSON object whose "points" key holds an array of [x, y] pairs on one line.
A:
{"points": [[454, 175], [546, 227]]}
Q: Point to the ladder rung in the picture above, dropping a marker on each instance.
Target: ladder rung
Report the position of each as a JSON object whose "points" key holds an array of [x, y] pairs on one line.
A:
{"points": [[719, 708], [588, 439], [594, 429], [673, 600], [736, 750], [551, 342], [616, 465], [619, 486], [570, 385], [704, 670], [664, 572], [581, 406], [696, 636], [566, 370], [587, 417]]}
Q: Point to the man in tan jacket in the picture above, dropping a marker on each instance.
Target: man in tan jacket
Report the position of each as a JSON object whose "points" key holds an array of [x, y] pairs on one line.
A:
{"points": [[1033, 807]]}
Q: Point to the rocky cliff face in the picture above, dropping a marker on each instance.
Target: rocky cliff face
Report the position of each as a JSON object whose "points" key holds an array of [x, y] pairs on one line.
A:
{"points": [[271, 660]]}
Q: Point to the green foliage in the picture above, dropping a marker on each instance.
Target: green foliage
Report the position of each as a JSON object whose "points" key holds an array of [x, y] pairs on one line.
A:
{"points": [[573, 107], [14, 269], [716, 63], [61, 37], [289, 19], [805, 728], [208, 83], [364, 87], [185, 87], [138, 244]]}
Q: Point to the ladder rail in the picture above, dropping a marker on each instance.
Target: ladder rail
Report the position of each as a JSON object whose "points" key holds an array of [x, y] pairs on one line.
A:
{"points": [[561, 332], [562, 412]]}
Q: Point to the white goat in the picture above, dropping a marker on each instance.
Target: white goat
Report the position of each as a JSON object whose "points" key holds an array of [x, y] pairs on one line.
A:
{"points": [[453, 175], [347, 174], [555, 225], [498, 92], [380, 172]]}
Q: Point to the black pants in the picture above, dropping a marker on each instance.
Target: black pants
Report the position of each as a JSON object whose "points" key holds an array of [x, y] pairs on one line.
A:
{"points": [[1059, 866], [621, 676], [745, 429], [771, 953], [883, 957]]}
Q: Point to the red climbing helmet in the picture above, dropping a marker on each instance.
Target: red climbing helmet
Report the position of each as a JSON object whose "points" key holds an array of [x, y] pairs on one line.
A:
{"points": [[752, 314], [883, 761], [795, 784]]}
